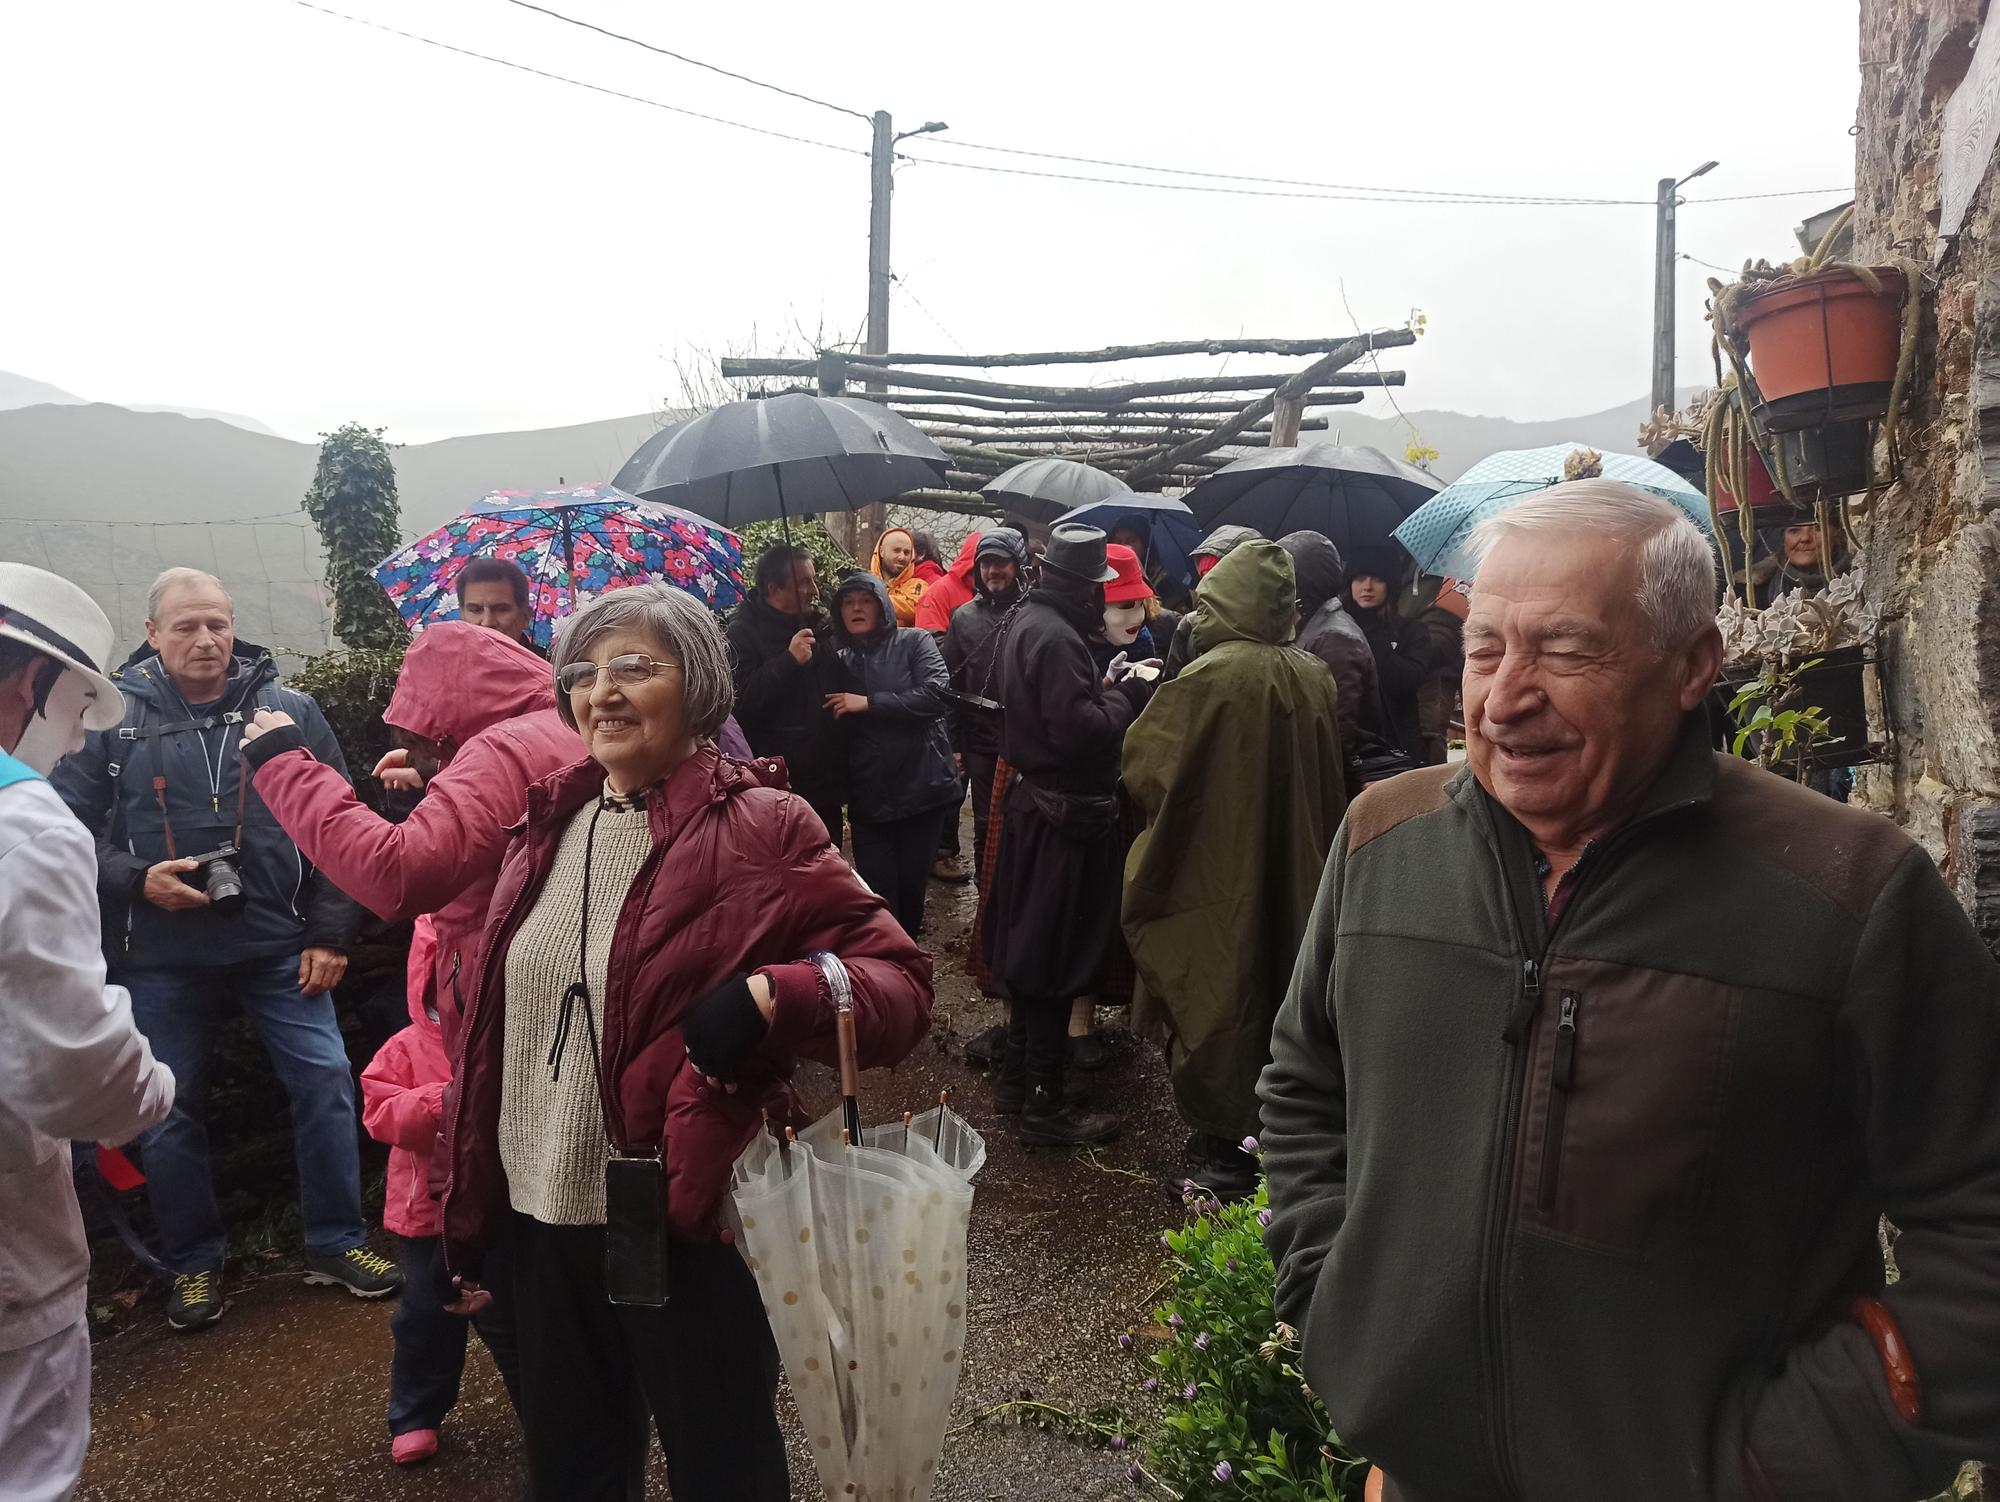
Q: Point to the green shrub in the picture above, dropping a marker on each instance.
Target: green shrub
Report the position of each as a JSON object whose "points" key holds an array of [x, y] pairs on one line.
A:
{"points": [[1238, 1419], [830, 559]]}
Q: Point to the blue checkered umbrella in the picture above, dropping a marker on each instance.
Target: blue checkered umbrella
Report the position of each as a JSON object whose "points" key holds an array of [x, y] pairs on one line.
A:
{"points": [[1436, 534]]}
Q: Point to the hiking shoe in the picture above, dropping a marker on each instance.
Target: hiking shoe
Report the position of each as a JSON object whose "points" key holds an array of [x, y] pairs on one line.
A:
{"points": [[365, 1274], [983, 1050], [196, 1300], [1088, 1052], [951, 869], [413, 1448], [1047, 1121]]}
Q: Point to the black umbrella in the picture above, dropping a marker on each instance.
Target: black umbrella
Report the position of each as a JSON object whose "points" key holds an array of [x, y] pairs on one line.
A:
{"points": [[1043, 489], [1356, 496], [633, 476], [785, 456]]}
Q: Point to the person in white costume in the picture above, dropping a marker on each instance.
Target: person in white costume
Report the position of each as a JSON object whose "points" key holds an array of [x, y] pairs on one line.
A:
{"points": [[71, 1064]]}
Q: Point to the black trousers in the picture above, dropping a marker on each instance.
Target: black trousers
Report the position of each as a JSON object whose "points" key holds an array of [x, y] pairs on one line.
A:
{"points": [[705, 1368], [979, 769], [895, 860], [430, 1343], [947, 846]]}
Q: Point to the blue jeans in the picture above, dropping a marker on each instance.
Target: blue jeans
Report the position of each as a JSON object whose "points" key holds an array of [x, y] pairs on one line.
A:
{"points": [[180, 1011], [430, 1343]]}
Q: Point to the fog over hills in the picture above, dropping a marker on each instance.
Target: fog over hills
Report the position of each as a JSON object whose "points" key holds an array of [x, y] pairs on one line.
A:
{"points": [[110, 495]]}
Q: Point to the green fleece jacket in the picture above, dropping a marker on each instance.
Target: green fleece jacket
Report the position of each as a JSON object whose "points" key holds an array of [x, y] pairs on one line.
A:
{"points": [[1583, 1215]]}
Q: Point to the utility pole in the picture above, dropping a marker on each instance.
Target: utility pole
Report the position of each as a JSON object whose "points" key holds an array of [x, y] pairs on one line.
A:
{"points": [[868, 522], [1665, 259]]}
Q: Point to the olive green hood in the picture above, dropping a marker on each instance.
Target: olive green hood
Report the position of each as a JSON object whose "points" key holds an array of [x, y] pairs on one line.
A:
{"points": [[1251, 595]]}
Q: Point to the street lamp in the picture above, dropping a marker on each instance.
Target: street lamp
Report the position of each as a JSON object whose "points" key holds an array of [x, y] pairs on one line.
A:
{"points": [[1664, 257]]}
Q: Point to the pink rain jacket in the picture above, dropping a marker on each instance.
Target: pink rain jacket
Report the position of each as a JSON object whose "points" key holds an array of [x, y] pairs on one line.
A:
{"points": [[402, 1097], [494, 700]]}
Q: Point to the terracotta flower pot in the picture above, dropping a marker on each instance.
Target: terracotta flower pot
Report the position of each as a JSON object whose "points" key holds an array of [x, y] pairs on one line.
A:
{"points": [[1763, 490], [1824, 347]]}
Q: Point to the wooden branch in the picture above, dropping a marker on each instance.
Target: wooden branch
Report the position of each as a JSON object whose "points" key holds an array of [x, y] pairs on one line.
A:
{"points": [[1072, 437], [1110, 409], [1100, 396], [1072, 423], [953, 501], [737, 368], [1258, 410]]}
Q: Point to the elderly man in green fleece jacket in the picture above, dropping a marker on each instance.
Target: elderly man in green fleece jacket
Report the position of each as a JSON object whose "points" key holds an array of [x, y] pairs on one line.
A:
{"points": [[1603, 1057]]}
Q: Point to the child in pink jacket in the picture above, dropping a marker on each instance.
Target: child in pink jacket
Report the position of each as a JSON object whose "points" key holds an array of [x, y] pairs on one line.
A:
{"points": [[402, 1092]]}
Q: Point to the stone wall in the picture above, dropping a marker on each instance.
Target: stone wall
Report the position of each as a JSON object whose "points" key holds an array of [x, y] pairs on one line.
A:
{"points": [[1932, 541]]}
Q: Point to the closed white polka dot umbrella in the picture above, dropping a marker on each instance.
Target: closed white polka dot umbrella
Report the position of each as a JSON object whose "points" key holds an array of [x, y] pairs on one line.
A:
{"points": [[860, 1255]]}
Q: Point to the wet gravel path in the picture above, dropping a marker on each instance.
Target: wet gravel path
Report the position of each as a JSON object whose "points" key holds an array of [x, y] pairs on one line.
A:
{"points": [[285, 1397]]}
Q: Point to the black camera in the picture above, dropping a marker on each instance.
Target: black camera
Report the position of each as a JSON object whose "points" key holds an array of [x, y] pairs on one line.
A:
{"points": [[218, 874]]}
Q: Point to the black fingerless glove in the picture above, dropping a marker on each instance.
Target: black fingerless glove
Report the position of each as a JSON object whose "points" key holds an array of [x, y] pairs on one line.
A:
{"points": [[274, 743], [722, 1027]]}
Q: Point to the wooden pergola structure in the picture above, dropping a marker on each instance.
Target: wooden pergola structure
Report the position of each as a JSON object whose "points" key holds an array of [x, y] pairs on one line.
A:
{"points": [[1159, 434]]}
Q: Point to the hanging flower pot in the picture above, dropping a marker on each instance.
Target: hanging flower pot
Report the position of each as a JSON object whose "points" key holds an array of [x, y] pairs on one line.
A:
{"points": [[1824, 346], [1764, 494]]}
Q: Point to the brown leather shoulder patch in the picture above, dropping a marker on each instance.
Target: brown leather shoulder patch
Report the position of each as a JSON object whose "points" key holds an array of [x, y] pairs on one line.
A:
{"points": [[1843, 853], [1383, 806]]}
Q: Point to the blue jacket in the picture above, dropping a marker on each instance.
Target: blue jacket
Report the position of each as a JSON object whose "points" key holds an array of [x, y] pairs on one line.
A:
{"points": [[109, 786], [899, 761]]}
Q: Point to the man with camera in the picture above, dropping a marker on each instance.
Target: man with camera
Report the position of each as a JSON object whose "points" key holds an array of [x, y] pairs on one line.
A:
{"points": [[72, 1066], [208, 902]]}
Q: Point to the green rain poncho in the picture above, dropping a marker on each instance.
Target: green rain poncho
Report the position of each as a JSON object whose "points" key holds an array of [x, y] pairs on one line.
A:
{"points": [[1237, 765]]}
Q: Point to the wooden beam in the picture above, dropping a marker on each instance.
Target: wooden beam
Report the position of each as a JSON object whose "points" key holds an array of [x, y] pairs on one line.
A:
{"points": [[1099, 396], [1072, 437], [734, 368], [1260, 409], [1112, 409], [1073, 421], [1287, 416]]}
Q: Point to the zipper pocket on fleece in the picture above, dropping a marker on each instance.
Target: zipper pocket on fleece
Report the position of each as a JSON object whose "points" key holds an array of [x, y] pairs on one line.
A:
{"points": [[1562, 1075]]}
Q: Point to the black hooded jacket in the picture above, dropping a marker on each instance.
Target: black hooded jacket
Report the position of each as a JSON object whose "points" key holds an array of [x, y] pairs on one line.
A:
{"points": [[898, 751], [1333, 636], [290, 906], [968, 654], [781, 702]]}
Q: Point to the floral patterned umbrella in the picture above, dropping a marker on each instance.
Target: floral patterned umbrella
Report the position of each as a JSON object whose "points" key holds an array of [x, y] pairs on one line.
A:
{"points": [[574, 544]]}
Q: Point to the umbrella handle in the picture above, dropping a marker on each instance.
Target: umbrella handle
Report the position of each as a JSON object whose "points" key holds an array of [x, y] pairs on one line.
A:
{"points": [[850, 1069]]}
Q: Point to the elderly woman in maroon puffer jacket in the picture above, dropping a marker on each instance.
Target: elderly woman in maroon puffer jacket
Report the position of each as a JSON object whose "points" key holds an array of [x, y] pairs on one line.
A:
{"points": [[651, 930]]}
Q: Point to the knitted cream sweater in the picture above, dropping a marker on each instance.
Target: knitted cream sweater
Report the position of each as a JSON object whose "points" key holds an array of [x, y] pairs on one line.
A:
{"points": [[552, 1125]]}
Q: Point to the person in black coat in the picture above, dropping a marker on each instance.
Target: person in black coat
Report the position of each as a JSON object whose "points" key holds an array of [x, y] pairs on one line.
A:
{"points": [[1052, 914], [968, 653], [901, 778], [1402, 659], [784, 671]]}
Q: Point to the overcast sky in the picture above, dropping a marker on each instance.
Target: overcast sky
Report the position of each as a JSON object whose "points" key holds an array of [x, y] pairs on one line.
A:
{"points": [[251, 205]]}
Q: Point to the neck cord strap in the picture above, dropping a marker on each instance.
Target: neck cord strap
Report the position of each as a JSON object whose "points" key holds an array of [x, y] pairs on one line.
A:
{"points": [[578, 994]]}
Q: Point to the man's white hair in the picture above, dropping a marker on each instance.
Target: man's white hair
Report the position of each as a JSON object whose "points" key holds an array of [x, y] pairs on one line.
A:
{"points": [[181, 578], [1677, 577]]}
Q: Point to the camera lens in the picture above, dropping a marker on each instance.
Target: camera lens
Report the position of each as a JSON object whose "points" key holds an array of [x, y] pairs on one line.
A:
{"points": [[224, 885]]}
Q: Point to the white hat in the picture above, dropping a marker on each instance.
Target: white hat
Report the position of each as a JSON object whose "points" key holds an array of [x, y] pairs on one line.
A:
{"points": [[59, 620]]}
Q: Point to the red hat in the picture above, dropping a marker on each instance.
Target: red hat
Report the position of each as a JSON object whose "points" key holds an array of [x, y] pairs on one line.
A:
{"points": [[1131, 581]]}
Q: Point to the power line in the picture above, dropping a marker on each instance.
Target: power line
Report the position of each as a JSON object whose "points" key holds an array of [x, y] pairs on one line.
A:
{"points": [[1788, 193], [1495, 201], [1287, 182], [682, 57], [580, 83]]}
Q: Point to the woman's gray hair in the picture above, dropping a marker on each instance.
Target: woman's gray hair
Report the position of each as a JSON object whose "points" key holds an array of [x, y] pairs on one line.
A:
{"points": [[683, 628], [1677, 567]]}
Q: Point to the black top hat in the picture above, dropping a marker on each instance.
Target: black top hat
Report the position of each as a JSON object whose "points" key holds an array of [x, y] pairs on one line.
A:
{"points": [[1078, 551]]}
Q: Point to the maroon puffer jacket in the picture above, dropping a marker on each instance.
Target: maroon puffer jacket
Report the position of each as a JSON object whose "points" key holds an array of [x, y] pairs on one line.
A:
{"points": [[741, 880]]}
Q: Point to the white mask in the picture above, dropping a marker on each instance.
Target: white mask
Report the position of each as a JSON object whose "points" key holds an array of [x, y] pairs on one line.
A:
{"points": [[1122, 623], [58, 729]]}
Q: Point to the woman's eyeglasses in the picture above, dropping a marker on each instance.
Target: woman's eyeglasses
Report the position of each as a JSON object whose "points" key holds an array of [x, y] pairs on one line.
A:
{"points": [[629, 671]]}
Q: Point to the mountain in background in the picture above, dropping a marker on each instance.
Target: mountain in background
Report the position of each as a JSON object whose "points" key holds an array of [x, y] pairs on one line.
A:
{"points": [[109, 496], [25, 391]]}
